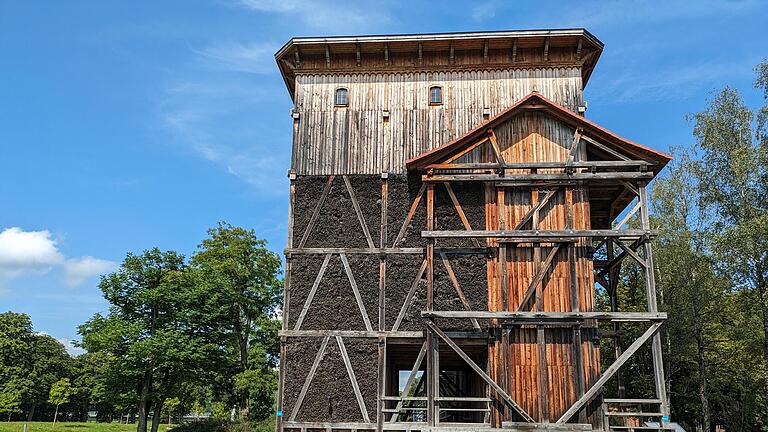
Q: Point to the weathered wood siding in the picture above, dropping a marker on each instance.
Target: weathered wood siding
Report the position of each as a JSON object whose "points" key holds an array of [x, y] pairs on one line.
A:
{"points": [[535, 137], [360, 139]]}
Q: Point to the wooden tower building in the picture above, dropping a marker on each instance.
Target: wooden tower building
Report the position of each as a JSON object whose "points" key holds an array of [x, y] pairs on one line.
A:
{"points": [[452, 215]]}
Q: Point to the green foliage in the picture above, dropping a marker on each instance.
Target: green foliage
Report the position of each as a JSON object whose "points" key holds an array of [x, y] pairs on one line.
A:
{"points": [[711, 208], [238, 286], [60, 392], [10, 400], [29, 364]]}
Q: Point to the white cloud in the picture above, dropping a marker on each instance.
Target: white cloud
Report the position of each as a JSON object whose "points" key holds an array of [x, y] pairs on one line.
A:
{"points": [[71, 348], [255, 58], [484, 11], [37, 252], [339, 16], [217, 120], [79, 270], [675, 82], [27, 252]]}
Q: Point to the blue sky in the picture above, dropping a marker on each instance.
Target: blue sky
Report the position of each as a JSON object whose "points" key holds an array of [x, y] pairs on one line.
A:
{"points": [[127, 125]]}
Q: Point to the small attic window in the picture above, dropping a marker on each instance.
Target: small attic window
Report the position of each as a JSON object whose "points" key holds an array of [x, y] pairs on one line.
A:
{"points": [[341, 97], [435, 95]]}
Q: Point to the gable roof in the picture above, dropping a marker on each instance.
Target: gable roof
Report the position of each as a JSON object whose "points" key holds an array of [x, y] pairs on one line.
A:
{"points": [[536, 102]]}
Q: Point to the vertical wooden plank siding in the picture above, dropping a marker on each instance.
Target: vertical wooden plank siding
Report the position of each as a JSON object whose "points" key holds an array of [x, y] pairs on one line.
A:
{"points": [[360, 139], [543, 371]]}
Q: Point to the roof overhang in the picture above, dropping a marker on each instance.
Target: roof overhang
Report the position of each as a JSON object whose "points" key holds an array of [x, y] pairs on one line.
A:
{"points": [[578, 39]]}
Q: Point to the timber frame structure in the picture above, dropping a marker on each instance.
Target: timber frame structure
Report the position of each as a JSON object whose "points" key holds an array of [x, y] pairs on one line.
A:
{"points": [[458, 292]]}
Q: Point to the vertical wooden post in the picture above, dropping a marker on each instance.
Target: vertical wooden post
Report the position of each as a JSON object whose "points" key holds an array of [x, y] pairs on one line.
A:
{"points": [[613, 285], [382, 370], [286, 303], [650, 285], [541, 354], [573, 282], [502, 367], [432, 374]]}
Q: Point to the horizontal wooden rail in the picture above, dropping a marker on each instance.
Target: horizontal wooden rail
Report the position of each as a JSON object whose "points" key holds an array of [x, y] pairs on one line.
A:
{"points": [[554, 316], [540, 234], [632, 401], [543, 165], [477, 334], [511, 178], [386, 251]]}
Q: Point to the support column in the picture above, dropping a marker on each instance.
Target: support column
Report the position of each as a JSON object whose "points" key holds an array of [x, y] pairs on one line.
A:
{"points": [[613, 285], [286, 301], [382, 370], [650, 284], [432, 374]]}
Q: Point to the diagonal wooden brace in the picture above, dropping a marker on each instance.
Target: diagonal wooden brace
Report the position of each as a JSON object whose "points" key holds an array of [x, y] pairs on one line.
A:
{"points": [[612, 369], [508, 399]]}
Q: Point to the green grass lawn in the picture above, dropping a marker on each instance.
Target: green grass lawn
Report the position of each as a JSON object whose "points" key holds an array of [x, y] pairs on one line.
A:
{"points": [[71, 427]]}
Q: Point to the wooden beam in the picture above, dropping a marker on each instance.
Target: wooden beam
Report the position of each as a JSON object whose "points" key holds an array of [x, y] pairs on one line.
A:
{"points": [[310, 376], [359, 212], [466, 150], [479, 371], [357, 52], [650, 286], [573, 152], [421, 49], [510, 179], [297, 57], [592, 165], [409, 296], [312, 292], [514, 50], [546, 49], [495, 146], [457, 287], [460, 211], [535, 209], [316, 211], [604, 148], [451, 58], [539, 235], [555, 316], [609, 372], [578, 50], [409, 217], [327, 56], [356, 291], [386, 54], [631, 253], [541, 361], [628, 216], [357, 251], [353, 379], [539, 277]]}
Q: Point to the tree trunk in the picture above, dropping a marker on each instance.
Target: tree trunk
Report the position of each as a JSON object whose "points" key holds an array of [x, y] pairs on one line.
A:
{"points": [[242, 342], [55, 414], [31, 412], [156, 408], [703, 393], [146, 385]]}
